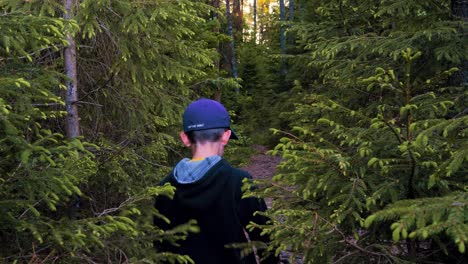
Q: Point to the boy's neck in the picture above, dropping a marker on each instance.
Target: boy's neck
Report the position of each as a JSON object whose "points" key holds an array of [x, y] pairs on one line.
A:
{"points": [[201, 151]]}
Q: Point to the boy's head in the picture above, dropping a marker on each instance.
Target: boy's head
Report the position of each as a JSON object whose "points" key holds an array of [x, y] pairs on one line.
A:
{"points": [[206, 120]]}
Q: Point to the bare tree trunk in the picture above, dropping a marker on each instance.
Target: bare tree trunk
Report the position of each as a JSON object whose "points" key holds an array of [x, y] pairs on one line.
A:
{"points": [[291, 10], [237, 18], [282, 36], [71, 98], [214, 16], [255, 20], [215, 4], [217, 95], [232, 58], [291, 20], [460, 10]]}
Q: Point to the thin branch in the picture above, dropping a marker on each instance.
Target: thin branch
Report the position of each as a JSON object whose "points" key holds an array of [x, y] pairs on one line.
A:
{"points": [[198, 84], [398, 136], [111, 210], [34, 253], [83, 102], [350, 242], [462, 113], [345, 256], [150, 162], [29, 208], [48, 104], [175, 151], [33, 53], [289, 134]]}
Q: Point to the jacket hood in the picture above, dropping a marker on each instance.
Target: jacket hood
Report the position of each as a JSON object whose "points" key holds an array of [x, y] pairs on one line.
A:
{"points": [[203, 192], [189, 171]]}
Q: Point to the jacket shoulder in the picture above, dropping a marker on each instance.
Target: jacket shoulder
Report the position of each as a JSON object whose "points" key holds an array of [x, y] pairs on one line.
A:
{"points": [[235, 172]]}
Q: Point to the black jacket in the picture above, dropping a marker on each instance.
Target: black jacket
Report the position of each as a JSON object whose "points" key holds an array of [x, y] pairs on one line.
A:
{"points": [[215, 202]]}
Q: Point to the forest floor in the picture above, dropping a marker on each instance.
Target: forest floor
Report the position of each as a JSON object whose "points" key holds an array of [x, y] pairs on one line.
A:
{"points": [[263, 166]]}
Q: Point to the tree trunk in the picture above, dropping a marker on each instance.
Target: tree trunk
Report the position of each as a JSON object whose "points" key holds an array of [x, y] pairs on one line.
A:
{"points": [[290, 38], [282, 36], [71, 98], [214, 16], [232, 58], [237, 16], [291, 10], [215, 4], [217, 95], [255, 20], [460, 10]]}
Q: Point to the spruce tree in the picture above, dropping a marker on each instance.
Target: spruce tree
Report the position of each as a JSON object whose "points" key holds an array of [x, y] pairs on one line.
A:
{"points": [[71, 200], [374, 163]]}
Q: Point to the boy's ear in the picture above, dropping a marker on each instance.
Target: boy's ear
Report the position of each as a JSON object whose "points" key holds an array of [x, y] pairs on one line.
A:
{"points": [[185, 139], [225, 137]]}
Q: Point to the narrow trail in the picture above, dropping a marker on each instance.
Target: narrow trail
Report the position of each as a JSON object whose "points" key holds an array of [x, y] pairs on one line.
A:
{"points": [[262, 166]]}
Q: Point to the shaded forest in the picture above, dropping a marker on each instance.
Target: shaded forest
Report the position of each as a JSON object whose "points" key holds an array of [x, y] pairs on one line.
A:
{"points": [[364, 101]]}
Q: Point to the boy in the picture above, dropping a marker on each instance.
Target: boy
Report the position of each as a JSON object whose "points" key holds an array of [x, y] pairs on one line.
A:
{"points": [[208, 190]]}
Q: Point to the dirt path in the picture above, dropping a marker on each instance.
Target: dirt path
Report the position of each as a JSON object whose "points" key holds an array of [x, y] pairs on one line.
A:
{"points": [[262, 166]]}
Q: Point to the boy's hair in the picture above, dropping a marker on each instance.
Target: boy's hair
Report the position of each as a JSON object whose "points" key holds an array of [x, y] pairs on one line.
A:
{"points": [[207, 135]]}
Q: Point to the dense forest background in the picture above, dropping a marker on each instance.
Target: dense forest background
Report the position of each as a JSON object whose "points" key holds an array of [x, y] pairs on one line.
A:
{"points": [[365, 101]]}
